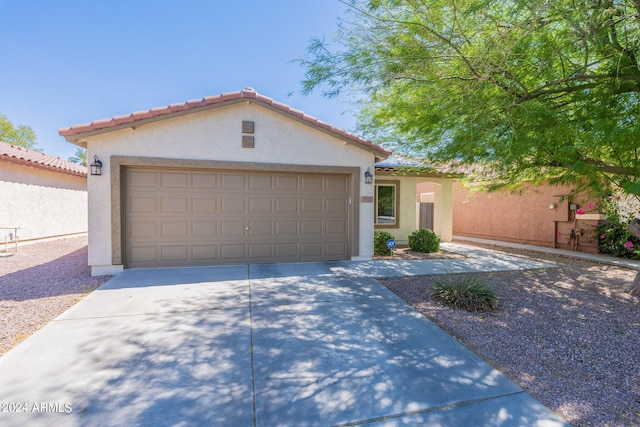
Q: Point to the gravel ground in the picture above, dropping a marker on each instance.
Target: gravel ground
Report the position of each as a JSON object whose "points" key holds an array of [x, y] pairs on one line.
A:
{"points": [[570, 335], [38, 283]]}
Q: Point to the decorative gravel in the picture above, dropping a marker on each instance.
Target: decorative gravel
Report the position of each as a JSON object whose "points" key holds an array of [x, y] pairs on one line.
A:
{"points": [[570, 335], [38, 283]]}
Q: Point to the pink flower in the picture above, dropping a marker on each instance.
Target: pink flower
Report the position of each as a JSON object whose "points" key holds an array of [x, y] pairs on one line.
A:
{"points": [[559, 234], [628, 244], [602, 236], [590, 205], [580, 211]]}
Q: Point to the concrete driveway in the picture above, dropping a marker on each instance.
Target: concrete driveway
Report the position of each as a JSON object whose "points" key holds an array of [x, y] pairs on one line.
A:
{"points": [[318, 344]]}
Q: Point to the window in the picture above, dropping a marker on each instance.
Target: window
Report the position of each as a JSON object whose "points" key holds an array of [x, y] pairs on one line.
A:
{"points": [[387, 204]]}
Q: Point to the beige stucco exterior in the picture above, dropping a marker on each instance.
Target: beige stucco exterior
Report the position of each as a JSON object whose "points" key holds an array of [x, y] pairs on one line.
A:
{"points": [[212, 138], [43, 203], [409, 207]]}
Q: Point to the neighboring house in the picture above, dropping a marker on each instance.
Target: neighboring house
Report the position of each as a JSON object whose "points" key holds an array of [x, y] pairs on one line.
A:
{"points": [[43, 195], [411, 195], [541, 216], [230, 179]]}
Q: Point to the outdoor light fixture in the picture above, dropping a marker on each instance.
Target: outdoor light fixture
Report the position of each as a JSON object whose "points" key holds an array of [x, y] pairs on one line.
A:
{"points": [[368, 176], [96, 166], [552, 206]]}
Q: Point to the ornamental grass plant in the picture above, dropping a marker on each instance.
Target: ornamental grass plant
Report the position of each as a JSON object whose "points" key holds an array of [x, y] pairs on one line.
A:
{"points": [[464, 292]]}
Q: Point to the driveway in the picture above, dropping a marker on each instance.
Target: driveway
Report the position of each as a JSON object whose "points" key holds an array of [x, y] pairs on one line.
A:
{"points": [[314, 344]]}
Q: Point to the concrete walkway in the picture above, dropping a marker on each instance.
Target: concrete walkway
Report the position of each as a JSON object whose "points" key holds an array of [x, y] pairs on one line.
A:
{"points": [[313, 344]]}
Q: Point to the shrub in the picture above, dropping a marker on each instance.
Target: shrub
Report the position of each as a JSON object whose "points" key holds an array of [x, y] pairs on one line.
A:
{"points": [[467, 293], [380, 243], [613, 236], [424, 241]]}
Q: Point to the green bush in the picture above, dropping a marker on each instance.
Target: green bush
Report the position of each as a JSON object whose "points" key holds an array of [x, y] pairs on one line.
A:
{"points": [[380, 242], [424, 241], [467, 293]]}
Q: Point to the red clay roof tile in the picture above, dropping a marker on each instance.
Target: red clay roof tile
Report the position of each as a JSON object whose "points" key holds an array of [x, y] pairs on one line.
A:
{"points": [[36, 159], [73, 133]]}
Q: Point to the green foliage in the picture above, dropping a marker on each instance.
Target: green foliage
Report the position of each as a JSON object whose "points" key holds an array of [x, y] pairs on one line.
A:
{"points": [[424, 240], [467, 293], [79, 157], [21, 136], [613, 236], [380, 238], [533, 91]]}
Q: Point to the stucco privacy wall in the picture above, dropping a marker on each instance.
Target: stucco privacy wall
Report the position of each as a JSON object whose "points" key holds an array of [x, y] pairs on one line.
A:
{"points": [[42, 203], [408, 211], [215, 135]]}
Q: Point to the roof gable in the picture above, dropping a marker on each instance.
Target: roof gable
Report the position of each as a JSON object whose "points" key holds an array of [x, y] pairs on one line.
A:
{"points": [[77, 132], [36, 159]]}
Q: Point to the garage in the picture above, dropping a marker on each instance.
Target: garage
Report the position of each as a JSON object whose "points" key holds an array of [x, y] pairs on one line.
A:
{"points": [[188, 217], [235, 178]]}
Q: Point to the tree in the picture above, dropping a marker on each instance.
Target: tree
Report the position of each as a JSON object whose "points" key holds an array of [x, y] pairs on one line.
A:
{"points": [[531, 90], [79, 157], [21, 136]]}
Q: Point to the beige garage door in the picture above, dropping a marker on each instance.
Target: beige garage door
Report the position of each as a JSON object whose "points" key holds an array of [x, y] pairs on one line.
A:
{"points": [[176, 217]]}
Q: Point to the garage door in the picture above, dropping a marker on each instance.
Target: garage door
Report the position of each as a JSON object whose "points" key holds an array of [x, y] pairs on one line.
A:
{"points": [[176, 217]]}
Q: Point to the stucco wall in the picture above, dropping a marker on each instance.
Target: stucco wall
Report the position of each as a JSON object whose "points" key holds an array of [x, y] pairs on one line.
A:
{"points": [[215, 134], [408, 211], [42, 203], [521, 218]]}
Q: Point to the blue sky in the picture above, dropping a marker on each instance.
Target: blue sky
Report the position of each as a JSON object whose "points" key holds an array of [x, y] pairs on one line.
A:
{"points": [[68, 62]]}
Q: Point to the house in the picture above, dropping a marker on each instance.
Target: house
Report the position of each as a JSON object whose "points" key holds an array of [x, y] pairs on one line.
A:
{"points": [[229, 179], [42, 196]]}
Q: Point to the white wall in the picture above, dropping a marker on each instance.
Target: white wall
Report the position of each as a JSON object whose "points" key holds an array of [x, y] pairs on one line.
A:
{"points": [[42, 203], [215, 134]]}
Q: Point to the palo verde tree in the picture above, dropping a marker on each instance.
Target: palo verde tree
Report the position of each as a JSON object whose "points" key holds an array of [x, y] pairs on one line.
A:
{"points": [[532, 90], [21, 136]]}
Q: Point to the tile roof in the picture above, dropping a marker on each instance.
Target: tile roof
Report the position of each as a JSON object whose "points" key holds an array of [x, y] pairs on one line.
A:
{"points": [[76, 132], [23, 156], [398, 162]]}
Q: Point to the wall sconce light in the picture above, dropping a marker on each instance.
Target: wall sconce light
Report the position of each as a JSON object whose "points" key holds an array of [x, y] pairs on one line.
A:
{"points": [[96, 166], [552, 206], [368, 176]]}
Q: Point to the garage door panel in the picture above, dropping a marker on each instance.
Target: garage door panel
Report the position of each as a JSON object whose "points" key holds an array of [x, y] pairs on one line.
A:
{"points": [[204, 180], [233, 252], [205, 253], [147, 204], [337, 184], [312, 184], [233, 181], [204, 229], [260, 228], [260, 182], [144, 255], [175, 204], [175, 179], [261, 252], [176, 217], [335, 227], [140, 178], [260, 205], [143, 229], [175, 254], [233, 205], [175, 229], [202, 205]]}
